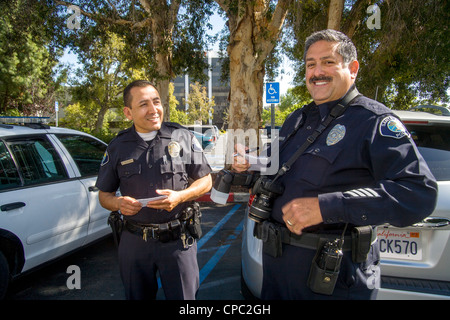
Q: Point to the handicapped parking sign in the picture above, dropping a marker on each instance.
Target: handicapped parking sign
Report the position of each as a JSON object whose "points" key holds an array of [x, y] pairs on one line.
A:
{"points": [[272, 92]]}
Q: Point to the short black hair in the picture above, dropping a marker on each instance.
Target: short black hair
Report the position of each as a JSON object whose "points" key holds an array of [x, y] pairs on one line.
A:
{"points": [[137, 83]]}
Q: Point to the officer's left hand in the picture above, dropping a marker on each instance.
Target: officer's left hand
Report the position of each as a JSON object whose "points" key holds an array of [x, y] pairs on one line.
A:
{"points": [[301, 213], [173, 199]]}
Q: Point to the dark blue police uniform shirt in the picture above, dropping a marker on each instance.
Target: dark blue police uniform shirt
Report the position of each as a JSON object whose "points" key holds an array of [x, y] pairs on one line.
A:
{"points": [[364, 168], [138, 168]]}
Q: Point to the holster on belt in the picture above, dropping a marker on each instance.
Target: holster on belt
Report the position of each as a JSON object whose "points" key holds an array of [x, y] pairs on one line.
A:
{"points": [[274, 234], [116, 223], [270, 234], [192, 216]]}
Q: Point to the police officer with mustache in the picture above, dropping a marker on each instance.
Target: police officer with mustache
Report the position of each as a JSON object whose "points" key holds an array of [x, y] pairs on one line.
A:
{"points": [[362, 170]]}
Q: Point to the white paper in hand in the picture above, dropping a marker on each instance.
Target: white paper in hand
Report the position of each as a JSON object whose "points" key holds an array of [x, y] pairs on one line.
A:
{"points": [[147, 200]]}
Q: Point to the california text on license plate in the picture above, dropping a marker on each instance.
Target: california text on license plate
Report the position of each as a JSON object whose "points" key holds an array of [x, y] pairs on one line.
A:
{"points": [[400, 243]]}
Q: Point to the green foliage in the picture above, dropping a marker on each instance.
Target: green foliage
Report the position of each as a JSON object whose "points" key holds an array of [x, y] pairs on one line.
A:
{"points": [[199, 105], [178, 116], [289, 102], [104, 76], [79, 117], [27, 57], [404, 63], [183, 45]]}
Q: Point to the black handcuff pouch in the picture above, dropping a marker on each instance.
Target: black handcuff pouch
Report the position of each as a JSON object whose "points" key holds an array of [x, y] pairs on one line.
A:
{"points": [[361, 242], [270, 234]]}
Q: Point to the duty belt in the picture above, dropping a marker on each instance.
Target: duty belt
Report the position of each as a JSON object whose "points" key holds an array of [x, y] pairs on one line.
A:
{"points": [[305, 240], [163, 232]]}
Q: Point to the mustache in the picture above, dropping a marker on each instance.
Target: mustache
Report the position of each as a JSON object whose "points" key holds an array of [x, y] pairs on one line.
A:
{"points": [[323, 78]]}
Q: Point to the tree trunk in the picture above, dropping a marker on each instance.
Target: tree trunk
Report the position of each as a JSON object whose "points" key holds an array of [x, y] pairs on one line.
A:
{"points": [[162, 20], [162, 84], [252, 37], [335, 14], [101, 117], [246, 78]]}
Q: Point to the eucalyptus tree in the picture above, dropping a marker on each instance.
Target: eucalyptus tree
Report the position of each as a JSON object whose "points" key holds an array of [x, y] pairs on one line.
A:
{"points": [[29, 52], [403, 46], [102, 78], [165, 38], [254, 29]]}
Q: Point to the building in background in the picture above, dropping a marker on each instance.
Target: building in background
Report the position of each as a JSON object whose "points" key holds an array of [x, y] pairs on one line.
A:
{"points": [[215, 88]]}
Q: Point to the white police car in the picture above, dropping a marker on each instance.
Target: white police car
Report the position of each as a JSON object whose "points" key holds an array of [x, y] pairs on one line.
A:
{"points": [[415, 260], [48, 199]]}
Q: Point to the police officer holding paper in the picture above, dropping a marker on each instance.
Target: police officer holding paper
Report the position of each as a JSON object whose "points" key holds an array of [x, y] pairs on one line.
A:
{"points": [[357, 168], [152, 163]]}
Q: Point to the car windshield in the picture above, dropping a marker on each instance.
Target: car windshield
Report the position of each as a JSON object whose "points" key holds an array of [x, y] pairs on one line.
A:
{"points": [[434, 145]]}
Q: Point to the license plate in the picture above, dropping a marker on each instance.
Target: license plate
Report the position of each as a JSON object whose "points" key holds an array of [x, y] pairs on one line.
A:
{"points": [[400, 243]]}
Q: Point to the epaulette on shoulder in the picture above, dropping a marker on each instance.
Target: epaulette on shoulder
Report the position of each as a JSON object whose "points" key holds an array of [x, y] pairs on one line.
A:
{"points": [[124, 131], [296, 113], [120, 134], [370, 105]]}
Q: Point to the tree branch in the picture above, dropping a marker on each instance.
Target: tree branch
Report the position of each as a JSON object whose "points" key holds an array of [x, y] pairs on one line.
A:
{"points": [[279, 15], [98, 18], [223, 4], [355, 16], [274, 27], [173, 12]]}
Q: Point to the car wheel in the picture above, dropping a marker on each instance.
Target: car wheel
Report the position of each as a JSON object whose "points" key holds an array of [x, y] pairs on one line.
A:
{"points": [[245, 291], [4, 275]]}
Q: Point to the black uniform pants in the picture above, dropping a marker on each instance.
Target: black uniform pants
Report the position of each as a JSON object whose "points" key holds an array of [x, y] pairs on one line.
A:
{"points": [[139, 261], [286, 277]]}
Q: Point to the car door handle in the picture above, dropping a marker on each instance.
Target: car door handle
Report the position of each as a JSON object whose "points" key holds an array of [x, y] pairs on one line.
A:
{"points": [[12, 206], [93, 189], [433, 222]]}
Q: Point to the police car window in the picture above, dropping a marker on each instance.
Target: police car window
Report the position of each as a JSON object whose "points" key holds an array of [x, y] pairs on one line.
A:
{"points": [[38, 161], [436, 137], [434, 145], [9, 176], [86, 152]]}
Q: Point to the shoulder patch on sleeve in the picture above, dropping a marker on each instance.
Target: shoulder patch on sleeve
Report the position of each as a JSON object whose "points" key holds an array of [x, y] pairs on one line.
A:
{"points": [[392, 127], [105, 159]]}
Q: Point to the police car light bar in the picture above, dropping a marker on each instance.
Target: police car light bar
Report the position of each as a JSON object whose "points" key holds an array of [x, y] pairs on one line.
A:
{"points": [[23, 120]]}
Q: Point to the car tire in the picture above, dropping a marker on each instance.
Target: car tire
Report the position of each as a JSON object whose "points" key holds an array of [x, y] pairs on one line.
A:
{"points": [[4, 275], [245, 291]]}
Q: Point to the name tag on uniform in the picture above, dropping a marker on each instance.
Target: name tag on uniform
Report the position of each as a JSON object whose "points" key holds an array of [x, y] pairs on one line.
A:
{"points": [[125, 162]]}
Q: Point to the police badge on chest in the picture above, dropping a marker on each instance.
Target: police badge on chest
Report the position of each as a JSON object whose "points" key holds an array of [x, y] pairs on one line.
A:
{"points": [[174, 149]]}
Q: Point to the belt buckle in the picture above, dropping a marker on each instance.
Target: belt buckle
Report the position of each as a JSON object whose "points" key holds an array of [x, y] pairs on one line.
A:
{"points": [[145, 234]]}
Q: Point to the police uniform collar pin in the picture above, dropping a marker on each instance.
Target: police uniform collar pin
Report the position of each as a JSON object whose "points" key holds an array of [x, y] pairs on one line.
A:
{"points": [[336, 134]]}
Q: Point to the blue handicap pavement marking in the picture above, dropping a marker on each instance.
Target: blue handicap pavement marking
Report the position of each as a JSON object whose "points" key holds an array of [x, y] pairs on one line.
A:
{"points": [[210, 265], [217, 227], [212, 262]]}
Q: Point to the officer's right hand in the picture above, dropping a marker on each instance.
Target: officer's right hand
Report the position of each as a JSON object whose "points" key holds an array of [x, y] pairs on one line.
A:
{"points": [[129, 206]]}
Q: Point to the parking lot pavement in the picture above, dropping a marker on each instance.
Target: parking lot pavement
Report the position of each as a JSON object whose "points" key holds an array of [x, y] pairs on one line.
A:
{"points": [[220, 252], [218, 259]]}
